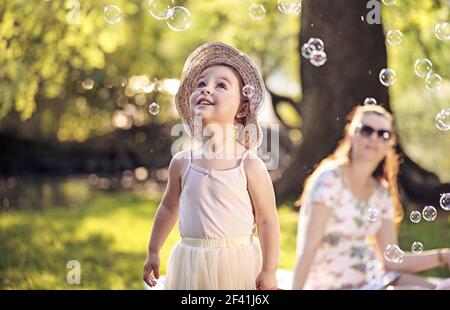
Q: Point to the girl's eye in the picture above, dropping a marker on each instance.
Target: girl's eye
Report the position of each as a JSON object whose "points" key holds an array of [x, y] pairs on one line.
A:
{"points": [[201, 84], [222, 85]]}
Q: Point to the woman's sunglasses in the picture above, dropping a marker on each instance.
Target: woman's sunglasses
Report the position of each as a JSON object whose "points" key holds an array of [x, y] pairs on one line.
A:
{"points": [[367, 131]]}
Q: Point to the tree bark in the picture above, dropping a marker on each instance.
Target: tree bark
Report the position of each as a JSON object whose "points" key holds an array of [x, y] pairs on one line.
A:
{"points": [[356, 53]]}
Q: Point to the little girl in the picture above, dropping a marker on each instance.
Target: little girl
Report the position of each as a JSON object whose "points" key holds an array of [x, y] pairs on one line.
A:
{"points": [[220, 197]]}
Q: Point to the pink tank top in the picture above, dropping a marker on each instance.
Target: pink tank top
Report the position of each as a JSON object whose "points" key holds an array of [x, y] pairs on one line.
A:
{"points": [[215, 204]]}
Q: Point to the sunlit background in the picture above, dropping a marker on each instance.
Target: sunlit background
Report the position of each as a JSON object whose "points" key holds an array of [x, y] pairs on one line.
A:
{"points": [[87, 106]]}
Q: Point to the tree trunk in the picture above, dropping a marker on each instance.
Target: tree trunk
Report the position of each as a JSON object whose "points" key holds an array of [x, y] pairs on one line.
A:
{"points": [[356, 53]]}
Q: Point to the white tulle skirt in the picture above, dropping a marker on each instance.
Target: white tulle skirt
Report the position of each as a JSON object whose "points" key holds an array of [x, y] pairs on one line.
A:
{"points": [[214, 264]]}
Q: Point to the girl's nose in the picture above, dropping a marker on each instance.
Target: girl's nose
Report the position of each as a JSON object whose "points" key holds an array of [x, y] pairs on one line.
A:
{"points": [[205, 91]]}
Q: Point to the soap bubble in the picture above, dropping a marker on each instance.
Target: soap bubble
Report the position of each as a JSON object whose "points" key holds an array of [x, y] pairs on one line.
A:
{"points": [[88, 83], [394, 37], [248, 91], [112, 14], [442, 31], [293, 7], [422, 67], [318, 58], [415, 216], [257, 11], [160, 9], [179, 19], [154, 108], [315, 44], [389, 2], [443, 120], [370, 101], [444, 202], [417, 247], [433, 81], [429, 213], [394, 254], [306, 52], [372, 214], [387, 77]]}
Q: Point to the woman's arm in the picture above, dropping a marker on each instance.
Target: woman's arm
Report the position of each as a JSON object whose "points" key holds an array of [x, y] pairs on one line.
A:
{"points": [[263, 198], [412, 262], [165, 219], [314, 231]]}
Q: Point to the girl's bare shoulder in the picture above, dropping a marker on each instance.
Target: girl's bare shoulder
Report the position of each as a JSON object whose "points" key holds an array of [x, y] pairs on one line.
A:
{"points": [[179, 162]]}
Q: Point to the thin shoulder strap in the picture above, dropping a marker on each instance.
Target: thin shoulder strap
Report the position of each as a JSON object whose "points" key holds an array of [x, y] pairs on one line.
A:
{"points": [[186, 170], [241, 165]]}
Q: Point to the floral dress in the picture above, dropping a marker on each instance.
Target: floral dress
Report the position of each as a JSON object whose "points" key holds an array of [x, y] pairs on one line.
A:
{"points": [[344, 258]]}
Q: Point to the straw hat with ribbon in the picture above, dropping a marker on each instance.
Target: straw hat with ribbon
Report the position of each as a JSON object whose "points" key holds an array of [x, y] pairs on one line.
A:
{"points": [[218, 53]]}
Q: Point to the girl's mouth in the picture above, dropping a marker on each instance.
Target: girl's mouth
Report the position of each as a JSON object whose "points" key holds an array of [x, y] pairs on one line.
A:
{"points": [[204, 101]]}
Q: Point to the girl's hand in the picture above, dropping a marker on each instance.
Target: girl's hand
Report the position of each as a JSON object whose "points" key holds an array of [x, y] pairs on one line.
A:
{"points": [[151, 269], [266, 281]]}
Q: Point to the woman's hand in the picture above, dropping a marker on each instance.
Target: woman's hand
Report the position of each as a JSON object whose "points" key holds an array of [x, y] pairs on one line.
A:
{"points": [[444, 285], [151, 269], [446, 258], [266, 281]]}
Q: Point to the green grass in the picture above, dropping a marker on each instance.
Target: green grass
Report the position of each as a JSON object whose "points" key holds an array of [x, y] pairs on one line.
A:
{"points": [[109, 238]]}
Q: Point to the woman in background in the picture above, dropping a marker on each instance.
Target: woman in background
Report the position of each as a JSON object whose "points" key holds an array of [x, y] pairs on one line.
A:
{"points": [[346, 234]]}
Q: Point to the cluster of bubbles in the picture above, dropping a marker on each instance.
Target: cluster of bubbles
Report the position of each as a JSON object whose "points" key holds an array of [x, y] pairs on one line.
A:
{"points": [[394, 254], [314, 50], [442, 120], [429, 213], [178, 18], [388, 76], [423, 68], [257, 11]]}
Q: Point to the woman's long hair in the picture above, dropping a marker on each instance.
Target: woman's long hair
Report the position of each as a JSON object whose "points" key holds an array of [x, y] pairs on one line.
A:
{"points": [[386, 171]]}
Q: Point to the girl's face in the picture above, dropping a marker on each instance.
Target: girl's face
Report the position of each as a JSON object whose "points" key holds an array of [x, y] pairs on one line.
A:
{"points": [[217, 95], [372, 138]]}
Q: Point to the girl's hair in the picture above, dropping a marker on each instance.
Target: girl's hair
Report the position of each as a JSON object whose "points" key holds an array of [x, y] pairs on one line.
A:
{"points": [[387, 170]]}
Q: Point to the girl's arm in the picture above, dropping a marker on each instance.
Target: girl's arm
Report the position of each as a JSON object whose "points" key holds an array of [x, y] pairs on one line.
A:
{"points": [[165, 219], [412, 262], [263, 198], [314, 231]]}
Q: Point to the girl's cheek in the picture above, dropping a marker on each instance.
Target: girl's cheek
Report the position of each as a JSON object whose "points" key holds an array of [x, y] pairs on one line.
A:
{"points": [[192, 99]]}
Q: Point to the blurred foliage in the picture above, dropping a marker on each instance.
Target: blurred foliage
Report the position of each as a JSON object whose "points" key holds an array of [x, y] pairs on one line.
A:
{"points": [[47, 58], [416, 107], [44, 61]]}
